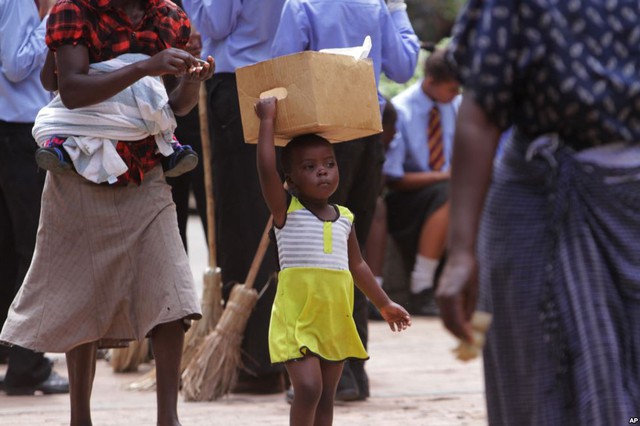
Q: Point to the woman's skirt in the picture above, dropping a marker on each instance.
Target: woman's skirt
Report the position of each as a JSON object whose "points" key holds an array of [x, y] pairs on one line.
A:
{"points": [[559, 256], [109, 266]]}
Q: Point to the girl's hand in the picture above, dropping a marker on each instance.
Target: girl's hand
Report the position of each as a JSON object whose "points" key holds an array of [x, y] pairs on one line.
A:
{"points": [[266, 108], [397, 317], [457, 294], [201, 72], [169, 61]]}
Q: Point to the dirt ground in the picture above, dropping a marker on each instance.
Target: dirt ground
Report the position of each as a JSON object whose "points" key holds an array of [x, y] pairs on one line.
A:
{"points": [[414, 381], [414, 377]]}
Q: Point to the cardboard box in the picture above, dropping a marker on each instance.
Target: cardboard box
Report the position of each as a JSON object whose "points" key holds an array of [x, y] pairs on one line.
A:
{"points": [[332, 95]]}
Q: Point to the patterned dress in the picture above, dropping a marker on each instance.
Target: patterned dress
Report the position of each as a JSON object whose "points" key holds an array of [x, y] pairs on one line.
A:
{"points": [[560, 234], [312, 311]]}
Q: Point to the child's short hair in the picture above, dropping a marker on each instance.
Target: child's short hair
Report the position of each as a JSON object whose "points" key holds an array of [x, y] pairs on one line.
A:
{"points": [[297, 143], [436, 67]]}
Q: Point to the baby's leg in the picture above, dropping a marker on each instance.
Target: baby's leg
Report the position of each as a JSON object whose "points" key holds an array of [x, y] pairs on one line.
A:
{"points": [[307, 381], [81, 365], [331, 372], [166, 342]]}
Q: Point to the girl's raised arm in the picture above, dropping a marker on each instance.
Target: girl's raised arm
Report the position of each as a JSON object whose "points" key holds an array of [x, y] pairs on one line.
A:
{"points": [[270, 181]]}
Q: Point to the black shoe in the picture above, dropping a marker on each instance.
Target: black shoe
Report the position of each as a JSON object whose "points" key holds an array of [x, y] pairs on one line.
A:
{"points": [[423, 304], [288, 396], [183, 160], [54, 384], [53, 159], [260, 385], [348, 389]]}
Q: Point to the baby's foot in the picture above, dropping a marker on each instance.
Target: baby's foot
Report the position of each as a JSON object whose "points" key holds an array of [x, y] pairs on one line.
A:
{"points": [[183, 160], [54, 159]]}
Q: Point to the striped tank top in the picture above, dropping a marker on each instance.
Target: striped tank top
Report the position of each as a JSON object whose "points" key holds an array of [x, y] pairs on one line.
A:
{"points": [[307, 241]]}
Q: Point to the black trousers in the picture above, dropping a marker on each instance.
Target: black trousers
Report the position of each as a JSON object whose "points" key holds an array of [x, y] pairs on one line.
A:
{"points": [[188, 133], [360, 166], [21, 186], [241, 215]]}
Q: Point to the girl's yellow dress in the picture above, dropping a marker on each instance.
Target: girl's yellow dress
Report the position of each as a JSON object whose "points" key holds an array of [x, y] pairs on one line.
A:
{"points": [[313, 307]]}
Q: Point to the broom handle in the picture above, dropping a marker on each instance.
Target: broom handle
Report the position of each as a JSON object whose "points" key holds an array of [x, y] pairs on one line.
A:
{"points": [[208, 175], [257, 258]]}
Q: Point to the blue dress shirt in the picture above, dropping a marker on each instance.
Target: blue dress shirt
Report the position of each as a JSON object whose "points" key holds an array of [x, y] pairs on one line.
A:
{"points": [[235, 32], [325, 24], [22, 54], [409, 150]]}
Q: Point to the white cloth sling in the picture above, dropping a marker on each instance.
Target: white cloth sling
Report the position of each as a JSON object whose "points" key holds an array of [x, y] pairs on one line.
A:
{"points": [[92, 132]]}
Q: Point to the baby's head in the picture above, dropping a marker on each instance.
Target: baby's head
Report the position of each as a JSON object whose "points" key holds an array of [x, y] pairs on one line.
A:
{"points": [[440, 81], [310, 167]]}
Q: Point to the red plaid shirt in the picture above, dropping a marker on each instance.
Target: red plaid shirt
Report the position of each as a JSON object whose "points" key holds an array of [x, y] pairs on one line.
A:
{"points": [[108, 32]]}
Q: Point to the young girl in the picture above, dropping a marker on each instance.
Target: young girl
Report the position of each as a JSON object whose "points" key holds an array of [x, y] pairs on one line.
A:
{"points": [[312, 329], [109, 266]]}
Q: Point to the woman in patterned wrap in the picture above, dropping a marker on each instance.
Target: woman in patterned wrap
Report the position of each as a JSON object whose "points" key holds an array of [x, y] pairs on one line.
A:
{"points": [[555, 250]]}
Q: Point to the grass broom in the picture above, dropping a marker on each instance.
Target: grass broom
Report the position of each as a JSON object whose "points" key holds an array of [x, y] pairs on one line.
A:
{"points": [[214, 370], [212, 282], [125, 360]]}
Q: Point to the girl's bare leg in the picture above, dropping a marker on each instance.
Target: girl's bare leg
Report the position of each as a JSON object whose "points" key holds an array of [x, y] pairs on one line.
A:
{"points": [[331, 372], [81, 365], [166, 342], [306, 379]]}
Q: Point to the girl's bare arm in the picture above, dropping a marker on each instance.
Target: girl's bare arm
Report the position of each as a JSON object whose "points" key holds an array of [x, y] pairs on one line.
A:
{"points": [[397, 317], [270, 181]]}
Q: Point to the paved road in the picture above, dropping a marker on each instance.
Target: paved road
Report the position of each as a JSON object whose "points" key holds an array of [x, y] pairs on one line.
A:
{"points": [[414, 381]]}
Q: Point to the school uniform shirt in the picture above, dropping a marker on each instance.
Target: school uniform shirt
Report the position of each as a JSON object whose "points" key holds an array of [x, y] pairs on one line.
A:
{"points": [[235, 32], [409, 150], [22, 55], [326, 24]]}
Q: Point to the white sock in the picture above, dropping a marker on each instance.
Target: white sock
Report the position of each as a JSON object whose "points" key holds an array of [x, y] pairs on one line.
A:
{"points": [[422, 274], [379, 280]]}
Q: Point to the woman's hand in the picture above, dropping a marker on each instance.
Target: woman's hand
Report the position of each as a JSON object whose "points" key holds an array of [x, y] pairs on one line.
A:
{"points": [[396, 316], [170, 61], [457, 294], [266, 108], [201, 72]]}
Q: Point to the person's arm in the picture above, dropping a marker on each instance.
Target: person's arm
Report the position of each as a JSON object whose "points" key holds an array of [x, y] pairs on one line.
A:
{"points": [[412, 181], [48, 74], [22, 46], [216, 19], [400, 46], [270, 182], [475, 143], [397, 317], [78, 88]]}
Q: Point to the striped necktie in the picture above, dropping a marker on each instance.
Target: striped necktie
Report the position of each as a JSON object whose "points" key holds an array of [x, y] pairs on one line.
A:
{"points": [[434, 139]]}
